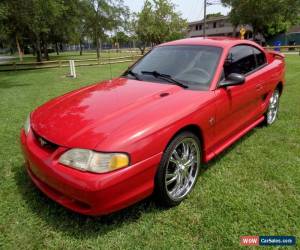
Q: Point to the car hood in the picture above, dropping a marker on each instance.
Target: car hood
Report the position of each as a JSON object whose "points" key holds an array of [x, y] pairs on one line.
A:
{"points": [[91, 115]]}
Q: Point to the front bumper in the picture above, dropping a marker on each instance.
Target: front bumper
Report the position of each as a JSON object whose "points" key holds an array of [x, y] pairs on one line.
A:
{"points": [[87, 193]]}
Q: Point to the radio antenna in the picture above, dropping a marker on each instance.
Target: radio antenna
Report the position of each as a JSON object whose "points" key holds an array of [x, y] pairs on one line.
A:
{"points": [[109, 62]]}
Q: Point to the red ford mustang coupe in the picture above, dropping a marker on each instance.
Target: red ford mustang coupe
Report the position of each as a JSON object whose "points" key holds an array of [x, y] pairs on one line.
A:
{"points": [[106, 146]]}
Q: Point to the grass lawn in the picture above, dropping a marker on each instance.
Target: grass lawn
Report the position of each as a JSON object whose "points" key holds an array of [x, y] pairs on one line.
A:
{"points": [[251, 189]]}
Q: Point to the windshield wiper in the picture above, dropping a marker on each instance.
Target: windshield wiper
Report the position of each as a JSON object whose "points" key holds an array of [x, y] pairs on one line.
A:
{"points": [[165, 77], [135, 75]]}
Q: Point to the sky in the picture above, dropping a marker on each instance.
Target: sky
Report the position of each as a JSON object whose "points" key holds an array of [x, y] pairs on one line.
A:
{"points": [[192, 10]]}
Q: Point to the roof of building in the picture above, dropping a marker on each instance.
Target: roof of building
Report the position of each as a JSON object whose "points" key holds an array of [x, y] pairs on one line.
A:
{"points": [[210, 19], [294, 29]]}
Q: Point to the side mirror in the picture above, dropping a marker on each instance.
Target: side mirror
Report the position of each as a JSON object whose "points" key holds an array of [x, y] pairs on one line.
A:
{"points": [[233, 79]]}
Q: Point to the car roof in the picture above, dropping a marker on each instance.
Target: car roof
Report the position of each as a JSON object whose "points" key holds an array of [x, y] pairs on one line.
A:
{"points": [[223, 42]]}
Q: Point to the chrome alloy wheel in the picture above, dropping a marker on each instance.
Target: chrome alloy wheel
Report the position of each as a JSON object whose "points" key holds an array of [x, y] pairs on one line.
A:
{"points": [[273, 107], [182, 169]]}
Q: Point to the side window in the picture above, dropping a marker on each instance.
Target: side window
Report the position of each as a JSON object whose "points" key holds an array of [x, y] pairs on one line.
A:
{"points": [[240, 60], [260, 57]]}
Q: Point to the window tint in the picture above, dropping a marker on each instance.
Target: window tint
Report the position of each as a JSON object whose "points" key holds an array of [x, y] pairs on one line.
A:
{"points": [[260, 57], [193, 65], [240, 60]]}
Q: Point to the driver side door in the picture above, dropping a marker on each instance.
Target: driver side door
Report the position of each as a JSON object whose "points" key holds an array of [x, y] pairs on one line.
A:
{"points": [[236, 106]]}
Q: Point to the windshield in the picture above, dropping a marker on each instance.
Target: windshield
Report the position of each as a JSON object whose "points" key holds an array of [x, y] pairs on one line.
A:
{"points": [[193, 66]]}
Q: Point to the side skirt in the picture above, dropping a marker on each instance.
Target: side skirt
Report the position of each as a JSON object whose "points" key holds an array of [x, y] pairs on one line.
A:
{"points": [[233, 139]]}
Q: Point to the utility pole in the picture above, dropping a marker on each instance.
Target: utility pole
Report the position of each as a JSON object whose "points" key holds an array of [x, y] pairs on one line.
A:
{"points": [[204, 26]]}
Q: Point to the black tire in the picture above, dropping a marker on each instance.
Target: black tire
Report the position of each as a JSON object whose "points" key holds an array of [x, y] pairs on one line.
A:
{"points": [[271, 114], [161, 194]]}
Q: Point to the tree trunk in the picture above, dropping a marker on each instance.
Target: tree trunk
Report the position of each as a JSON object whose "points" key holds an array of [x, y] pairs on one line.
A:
{"points": [[143, 47], [81, 47], [45, 48], [57, 49], [19, 50], [97, 45], [117, 44], [38, 50], [33, 49], [255, 31], [234, 33], [100, 45]]}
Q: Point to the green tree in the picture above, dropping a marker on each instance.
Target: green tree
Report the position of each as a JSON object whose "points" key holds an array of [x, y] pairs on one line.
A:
{"points": [[67, 26], [39, 23], [42, 16], [103, 16], [159, 22], [12, 23], [267, 17], [121, 38], [82, 28], [30, 20], [144, 26], [3, 17]]}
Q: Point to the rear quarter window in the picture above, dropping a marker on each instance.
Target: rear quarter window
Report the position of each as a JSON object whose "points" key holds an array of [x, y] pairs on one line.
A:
{"points": [[260, 57]]}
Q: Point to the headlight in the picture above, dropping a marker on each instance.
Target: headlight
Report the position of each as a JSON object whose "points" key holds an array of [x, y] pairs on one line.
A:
{"points": [[88, 160], [27, 125]]}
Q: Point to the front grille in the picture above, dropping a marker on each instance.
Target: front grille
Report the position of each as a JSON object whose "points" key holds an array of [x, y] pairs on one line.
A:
{"points": [[43, 143]]}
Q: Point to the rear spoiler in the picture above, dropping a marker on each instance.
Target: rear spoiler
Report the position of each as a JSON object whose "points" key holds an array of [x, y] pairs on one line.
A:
{"points": [[276, 55]]}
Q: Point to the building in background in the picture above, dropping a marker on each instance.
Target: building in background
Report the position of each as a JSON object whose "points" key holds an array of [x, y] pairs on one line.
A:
{"points": [[220, 26], [291, 37], [217, 26]]}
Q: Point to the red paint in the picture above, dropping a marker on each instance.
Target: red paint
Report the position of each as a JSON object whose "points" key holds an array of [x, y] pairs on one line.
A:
{"points": [[140, 118]]}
